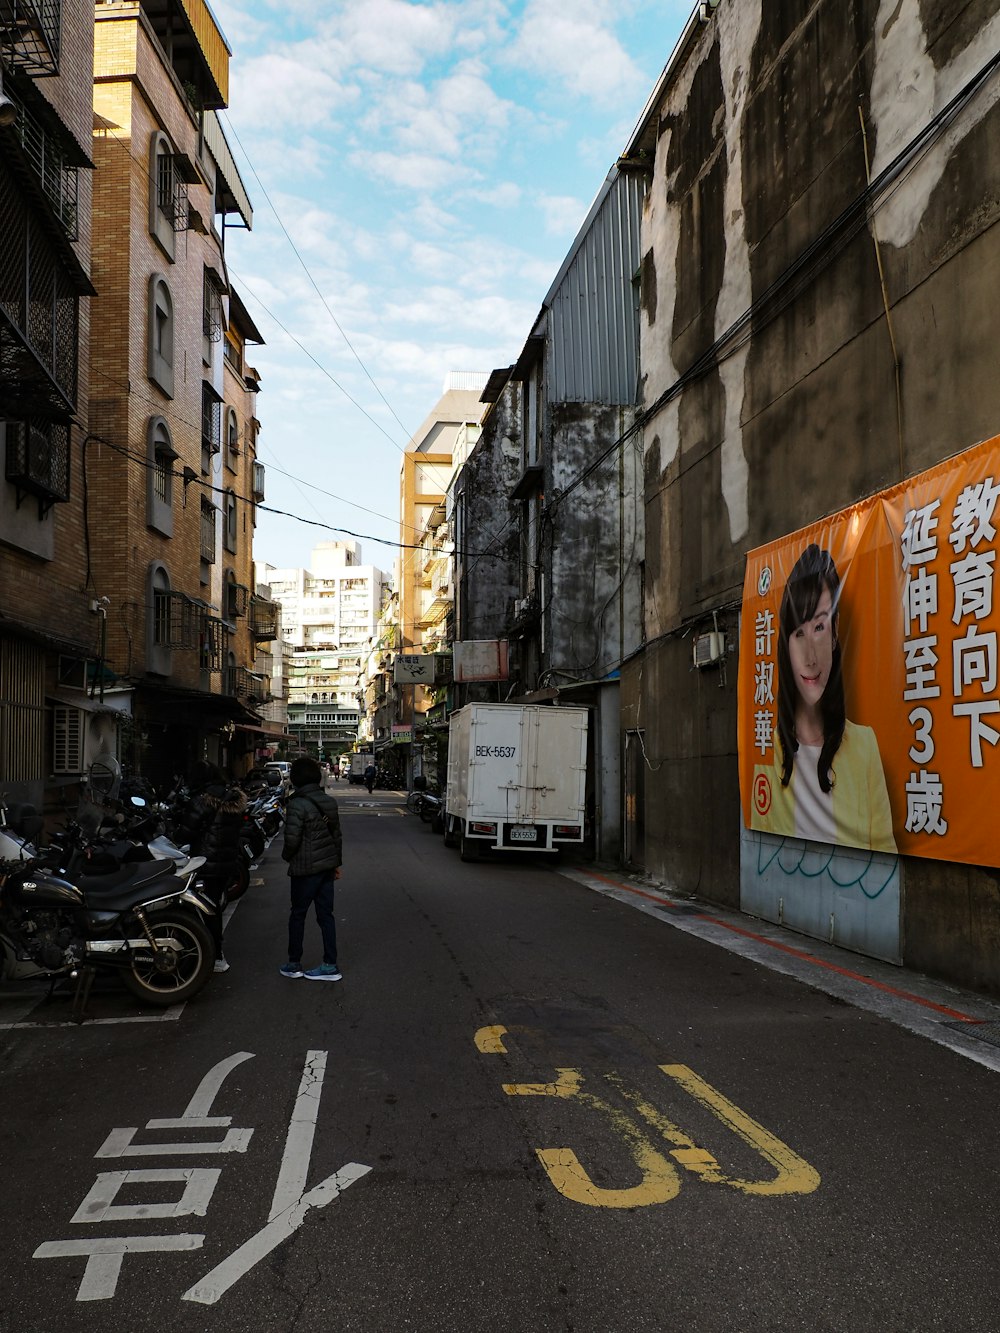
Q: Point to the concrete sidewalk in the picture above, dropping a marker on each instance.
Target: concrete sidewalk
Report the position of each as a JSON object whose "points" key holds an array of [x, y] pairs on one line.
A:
{"points": [[966, 1022]]}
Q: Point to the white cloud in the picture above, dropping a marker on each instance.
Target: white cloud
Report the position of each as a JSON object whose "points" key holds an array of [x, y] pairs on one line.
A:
{"points": [[562, 214], [421, 172], [283, 89], [576, 45], [502, 194], [391, 35]]}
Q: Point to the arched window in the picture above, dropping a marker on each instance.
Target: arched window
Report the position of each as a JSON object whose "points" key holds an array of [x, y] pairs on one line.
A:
{"points": [[168, 203], [160, 359], [160, 454], [160, 630], [230, 521], [231, 435]]}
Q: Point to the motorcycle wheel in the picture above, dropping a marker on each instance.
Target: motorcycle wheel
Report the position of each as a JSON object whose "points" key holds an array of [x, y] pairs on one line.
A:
{"points": [[241, 883], [179, 967]]}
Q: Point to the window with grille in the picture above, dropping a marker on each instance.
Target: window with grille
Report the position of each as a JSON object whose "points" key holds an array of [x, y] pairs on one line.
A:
{"points": [[160, 360], [208, 531], [237, 598], [230, 521], [160, 453], [37, 460], [211, 424], [214, 644], [161, 617], [68, 732], [168, 194], [211, 314]]}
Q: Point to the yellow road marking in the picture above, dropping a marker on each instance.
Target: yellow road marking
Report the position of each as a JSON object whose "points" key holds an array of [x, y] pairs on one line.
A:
{"points": [[660, 1182], [795, 1176], [489, 1041]]}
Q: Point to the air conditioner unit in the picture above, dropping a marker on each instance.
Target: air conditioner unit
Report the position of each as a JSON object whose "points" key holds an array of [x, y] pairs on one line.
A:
{"points": [[709, 648]]}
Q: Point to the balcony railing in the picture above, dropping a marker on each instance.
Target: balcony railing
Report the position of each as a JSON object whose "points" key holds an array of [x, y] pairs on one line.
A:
{"points": [[57, 177], [38, 460], [263, 619], [237, 600], [38, 301], [245, 684], [213, 645], [29, 35]]}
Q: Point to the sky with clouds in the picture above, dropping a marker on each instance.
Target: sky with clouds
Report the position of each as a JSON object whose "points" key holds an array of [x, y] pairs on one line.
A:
{"points": [[418, 171]]}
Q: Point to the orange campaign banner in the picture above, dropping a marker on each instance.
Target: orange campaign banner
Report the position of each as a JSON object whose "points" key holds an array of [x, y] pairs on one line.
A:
{"points": [[869, 697]]}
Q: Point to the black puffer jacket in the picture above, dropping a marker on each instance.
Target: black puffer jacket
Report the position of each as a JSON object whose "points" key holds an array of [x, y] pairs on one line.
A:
{"points": [[310, 845], [212, 824]]}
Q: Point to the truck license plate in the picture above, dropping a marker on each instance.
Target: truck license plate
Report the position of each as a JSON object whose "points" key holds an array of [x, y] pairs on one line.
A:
{"points": [[523, 835]]}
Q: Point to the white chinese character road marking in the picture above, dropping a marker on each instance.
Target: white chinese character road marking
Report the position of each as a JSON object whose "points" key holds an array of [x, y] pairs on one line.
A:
{"points": [[105, 1255], [197, 1116], [289, 1205], [100, 1206], [216, 1283]]}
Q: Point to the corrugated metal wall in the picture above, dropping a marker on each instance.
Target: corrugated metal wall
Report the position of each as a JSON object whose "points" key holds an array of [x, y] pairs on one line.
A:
{"points": [[593, 343]]}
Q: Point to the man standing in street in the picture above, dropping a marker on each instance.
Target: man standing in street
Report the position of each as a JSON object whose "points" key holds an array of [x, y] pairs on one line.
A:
{"points": [[313, 849], [370, 777]]}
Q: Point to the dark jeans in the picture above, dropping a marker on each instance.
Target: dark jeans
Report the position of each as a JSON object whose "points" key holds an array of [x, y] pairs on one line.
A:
{"points": [[307, 889]]}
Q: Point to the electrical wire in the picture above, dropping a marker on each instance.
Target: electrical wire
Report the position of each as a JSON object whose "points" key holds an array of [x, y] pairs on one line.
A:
{"points": [[208, 485], [308, 274]]}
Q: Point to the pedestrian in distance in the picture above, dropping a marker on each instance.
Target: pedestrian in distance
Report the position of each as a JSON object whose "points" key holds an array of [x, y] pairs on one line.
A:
{"points": [[370, 777], [313, 849], [211, 824]]}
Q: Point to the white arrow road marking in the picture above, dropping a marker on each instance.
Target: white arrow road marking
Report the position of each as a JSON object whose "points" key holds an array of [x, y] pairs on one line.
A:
{"points": [[216, 1283]]}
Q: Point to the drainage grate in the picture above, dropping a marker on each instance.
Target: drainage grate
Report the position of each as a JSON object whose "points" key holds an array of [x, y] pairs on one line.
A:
{"points": [[988, 1032]]}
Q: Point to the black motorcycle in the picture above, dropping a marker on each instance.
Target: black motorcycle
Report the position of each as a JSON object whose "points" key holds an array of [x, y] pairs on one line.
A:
{"points": [[145, 921]]}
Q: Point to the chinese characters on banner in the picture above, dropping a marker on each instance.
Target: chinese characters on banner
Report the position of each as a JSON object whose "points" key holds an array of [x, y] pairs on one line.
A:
{"points": [[915, 627]]}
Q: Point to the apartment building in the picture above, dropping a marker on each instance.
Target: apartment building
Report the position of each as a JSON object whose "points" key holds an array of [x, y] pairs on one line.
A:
{"points": [[49, 624], [328, 620], [171, 471]]}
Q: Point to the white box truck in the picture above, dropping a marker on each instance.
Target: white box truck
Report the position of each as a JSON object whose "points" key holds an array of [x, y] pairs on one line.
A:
{"points": [[359, 762], [517, 776]]}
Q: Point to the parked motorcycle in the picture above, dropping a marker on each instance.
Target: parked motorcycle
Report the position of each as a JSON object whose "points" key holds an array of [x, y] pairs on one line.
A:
{"points": [[146, 921], [19, 825]]}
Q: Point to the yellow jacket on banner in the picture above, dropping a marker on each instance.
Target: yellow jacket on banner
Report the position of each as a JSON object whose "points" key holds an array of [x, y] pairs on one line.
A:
{"points": [[858, 805]]}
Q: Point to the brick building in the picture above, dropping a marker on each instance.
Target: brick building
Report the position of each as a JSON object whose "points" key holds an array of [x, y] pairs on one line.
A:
{"points": [[47, 628], [170, 460]]}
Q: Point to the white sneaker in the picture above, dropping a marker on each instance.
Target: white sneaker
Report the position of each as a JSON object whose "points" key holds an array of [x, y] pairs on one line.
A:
{"points": [[220, 965]]}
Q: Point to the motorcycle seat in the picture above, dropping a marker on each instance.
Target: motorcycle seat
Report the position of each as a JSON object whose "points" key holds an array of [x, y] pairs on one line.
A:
{"points": [[125, 887]]}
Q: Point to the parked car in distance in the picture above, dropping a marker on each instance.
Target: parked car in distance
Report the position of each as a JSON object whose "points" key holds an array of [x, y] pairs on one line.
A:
{"points": [[283, 769]]}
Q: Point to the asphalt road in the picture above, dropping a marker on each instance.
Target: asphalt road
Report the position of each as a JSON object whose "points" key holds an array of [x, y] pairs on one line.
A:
{"points": [[525, 1107]]}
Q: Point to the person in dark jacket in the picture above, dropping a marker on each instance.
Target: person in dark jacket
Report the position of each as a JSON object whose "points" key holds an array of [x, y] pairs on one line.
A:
{"points": [[211, 824], [313, 849], [370, 776]]}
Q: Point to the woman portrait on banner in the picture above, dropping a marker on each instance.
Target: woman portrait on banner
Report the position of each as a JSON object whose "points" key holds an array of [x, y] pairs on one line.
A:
{"points": [[826, 781]]}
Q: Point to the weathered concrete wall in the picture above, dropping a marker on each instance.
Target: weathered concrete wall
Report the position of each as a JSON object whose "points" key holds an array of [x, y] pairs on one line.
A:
{"points": [[593, 541], [754, 260], [486, 557]]}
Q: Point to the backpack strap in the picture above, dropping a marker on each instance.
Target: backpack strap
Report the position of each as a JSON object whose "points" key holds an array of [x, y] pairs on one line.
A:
{"points": [[322, 814]]}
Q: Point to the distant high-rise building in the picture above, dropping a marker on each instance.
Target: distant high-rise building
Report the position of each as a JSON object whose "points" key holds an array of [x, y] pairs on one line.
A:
{"points": [[328, 618]]}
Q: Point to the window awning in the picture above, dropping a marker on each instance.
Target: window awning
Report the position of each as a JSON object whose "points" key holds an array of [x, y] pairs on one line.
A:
{"points": [[115, 703]]}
